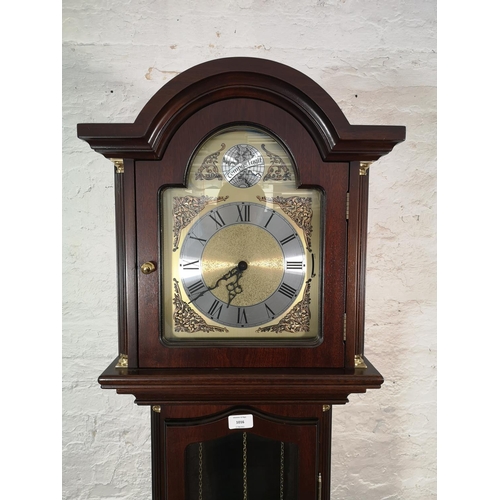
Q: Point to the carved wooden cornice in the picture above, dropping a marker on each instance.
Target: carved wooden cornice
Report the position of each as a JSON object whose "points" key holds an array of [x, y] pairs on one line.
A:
{"points": [[241, 78]]}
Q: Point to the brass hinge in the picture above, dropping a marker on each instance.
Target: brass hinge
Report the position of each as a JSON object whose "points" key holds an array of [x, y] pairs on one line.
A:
{"points": [[347, 208], [319, 486], [118, 162], [345, 327]]}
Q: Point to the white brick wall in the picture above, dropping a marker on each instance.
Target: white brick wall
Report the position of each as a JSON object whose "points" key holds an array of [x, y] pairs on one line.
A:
{"points": [[378, 61]]}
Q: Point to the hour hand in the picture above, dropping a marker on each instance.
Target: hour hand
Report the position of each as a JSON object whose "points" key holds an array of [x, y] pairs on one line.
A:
{"points": [[227, 276], [235, 271], [234, 288]]}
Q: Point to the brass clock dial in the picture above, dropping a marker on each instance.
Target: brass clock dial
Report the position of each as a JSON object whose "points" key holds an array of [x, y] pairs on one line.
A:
{"points": [[241, 247], [242, 264]]}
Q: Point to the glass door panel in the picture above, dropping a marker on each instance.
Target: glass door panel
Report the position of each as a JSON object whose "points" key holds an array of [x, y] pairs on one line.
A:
{"points": [[241, 466]]}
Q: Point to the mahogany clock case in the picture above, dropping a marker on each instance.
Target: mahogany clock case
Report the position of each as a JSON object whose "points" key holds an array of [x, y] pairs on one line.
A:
{"points": [[152, 176], [284, 387], [329, 155]]}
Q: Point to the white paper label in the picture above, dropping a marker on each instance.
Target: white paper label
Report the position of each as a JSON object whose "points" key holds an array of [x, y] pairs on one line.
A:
{"points": [[240, 421]]}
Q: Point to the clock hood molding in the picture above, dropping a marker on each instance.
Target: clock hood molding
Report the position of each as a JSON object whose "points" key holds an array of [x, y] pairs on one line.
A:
{"points": [[241, 78]]}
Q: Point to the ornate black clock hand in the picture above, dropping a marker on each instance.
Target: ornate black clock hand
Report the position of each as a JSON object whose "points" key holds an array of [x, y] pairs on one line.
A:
{"points": [[226, 276], [235, 271], [235, 288]]}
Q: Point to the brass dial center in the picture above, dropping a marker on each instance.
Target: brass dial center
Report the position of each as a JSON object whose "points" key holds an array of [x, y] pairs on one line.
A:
{"points": [[251, 249]]}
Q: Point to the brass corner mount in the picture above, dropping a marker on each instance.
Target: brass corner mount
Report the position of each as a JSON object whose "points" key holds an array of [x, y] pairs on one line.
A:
{"points": [[118, 162], [364, 166], [359, 361], [122, 361]]}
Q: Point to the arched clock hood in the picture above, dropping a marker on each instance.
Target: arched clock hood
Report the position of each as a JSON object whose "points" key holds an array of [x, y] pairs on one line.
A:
{"points": [[241, 78]]}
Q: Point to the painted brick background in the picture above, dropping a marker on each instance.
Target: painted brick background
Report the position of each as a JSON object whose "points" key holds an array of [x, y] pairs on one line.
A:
{"points": [[378, 61]]}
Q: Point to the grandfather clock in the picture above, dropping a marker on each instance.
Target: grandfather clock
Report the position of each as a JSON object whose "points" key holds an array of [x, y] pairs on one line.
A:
{"points": [[241, 218]]}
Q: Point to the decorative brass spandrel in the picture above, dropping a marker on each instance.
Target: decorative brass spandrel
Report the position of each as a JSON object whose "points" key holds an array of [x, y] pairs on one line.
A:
{"points": [[297, 320], [209, 169], [277, 171], [186, 319], [185, 209]]}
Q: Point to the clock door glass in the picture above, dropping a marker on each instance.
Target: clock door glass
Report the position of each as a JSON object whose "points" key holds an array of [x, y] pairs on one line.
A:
{"points": [[241, 465], [241, 247]]}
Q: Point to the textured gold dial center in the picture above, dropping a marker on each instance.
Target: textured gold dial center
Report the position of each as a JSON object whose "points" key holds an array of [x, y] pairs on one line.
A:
{"points": [[234, 245]]}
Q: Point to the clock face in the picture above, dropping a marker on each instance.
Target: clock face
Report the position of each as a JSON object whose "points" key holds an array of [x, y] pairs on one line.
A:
{"points": [[242, 264], [241, 247]]}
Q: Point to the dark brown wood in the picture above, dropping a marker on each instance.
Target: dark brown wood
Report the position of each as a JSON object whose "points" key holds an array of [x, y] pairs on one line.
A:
{"points": [[361, 271], [292, 428], [176, 426], [353, 263], [242, 386], [325, 451], [159, 478], [356, 262], [130, 271], [120, 263]]}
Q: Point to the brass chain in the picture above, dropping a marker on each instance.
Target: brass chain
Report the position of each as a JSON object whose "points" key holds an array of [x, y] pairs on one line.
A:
{"points": [[245, 490], [200, 471], [245, 470], [282, 470]]}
